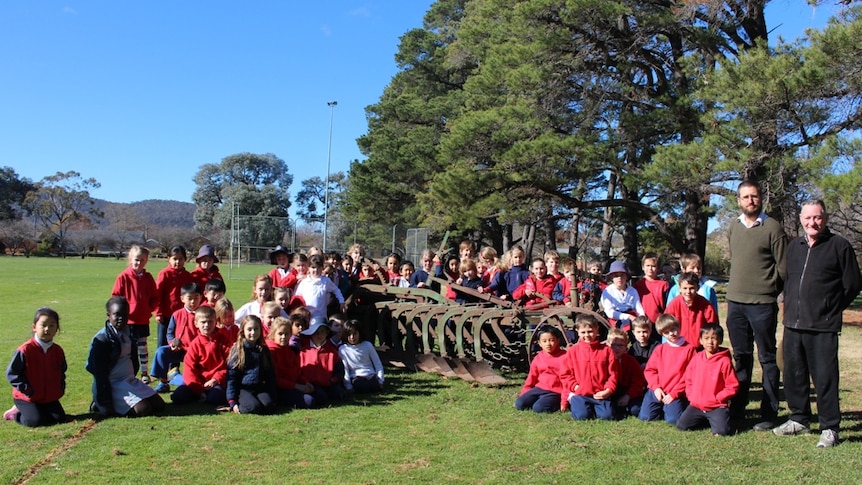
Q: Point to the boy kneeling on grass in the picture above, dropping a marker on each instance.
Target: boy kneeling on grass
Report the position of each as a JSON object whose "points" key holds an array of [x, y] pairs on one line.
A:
{"points": [[710, 382], [590, 373], [665, 374]]}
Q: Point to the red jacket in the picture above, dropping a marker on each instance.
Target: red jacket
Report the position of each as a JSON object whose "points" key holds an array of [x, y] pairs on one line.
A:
{"points": [[692, 318], [589, 368], [286, 363], [182, 326], [710, 381], [544, 286], [140, 291], [545, 371], [168, 283], [631, 381], [201, 277], [37, 376], [665, 368], [206, 358], [288, 280], [230, 333], [318, 364], [652, 293]]}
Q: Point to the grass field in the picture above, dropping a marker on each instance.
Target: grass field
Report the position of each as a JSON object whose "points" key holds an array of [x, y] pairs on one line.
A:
{"points": [[423, 429]]}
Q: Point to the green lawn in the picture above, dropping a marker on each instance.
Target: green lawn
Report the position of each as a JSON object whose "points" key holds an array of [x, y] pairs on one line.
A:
{"points": [[424, 428]]}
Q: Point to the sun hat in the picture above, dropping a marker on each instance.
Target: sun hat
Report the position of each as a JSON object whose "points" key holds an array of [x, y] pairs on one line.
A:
{"points": [[619, 267], [275, 252], [206, 250], [312, 329]]}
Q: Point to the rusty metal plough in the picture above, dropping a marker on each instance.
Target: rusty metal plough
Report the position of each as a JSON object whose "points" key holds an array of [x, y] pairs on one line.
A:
{"points": [[430, 332]]}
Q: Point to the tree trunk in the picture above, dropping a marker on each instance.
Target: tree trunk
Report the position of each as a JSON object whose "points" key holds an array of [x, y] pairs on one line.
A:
{"points": [[607, 228]]}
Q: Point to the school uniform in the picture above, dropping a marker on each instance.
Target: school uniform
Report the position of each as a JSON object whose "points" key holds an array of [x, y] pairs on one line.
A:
{"points": [[37, 373], [652, 294], [692, 317], [202, 276], [321, 367], [205, 359], [621, 306], [285, 360], [590, 367], [182, 327], [710, 383], [666, 370], [168, 284], [252, 388], [141, 293], [543, 390], [632, 383]]}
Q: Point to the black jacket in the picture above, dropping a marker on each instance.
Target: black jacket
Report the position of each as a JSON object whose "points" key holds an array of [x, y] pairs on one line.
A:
{"points": [[822, 281], [104, 353]]}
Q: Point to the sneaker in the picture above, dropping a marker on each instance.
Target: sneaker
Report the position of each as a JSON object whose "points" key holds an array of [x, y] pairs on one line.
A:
{"points": [[163, 388], [145, 379], [10, 414], [790, 428], [764, 426], [828, 438]]}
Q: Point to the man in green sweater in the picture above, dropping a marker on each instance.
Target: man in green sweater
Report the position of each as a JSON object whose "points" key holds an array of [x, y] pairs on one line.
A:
{"points": [[757, 273]]}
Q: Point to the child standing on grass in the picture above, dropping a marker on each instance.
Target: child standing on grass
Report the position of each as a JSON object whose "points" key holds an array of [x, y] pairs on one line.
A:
{"points": [[281, 259], [261, 292], [363, 371], [631, 385], [251, 382], [138, 287], [206, 268], [590, 373], [181, 333], [542, 390], [37, 373], [710, 383], [691, 309], [114, 363], [620, 302], [665, 374], [168, 284], [316, 290], [204, 366], [651, 289], [213, 292], [285, 360]]}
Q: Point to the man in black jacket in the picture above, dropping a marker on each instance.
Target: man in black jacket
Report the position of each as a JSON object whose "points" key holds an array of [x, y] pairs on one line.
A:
{"points": [[822, 280]]}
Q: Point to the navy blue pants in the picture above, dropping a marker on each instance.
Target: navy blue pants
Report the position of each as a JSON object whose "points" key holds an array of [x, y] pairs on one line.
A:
{"points": [[539, 400]]}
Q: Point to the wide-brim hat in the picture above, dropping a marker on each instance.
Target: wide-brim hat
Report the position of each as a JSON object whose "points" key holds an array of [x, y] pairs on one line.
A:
{"points": [[312, 329], [206, 250], [619, 267], [275, 252]]}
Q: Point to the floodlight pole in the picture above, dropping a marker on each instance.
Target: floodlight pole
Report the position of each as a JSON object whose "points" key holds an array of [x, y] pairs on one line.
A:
{"points": [[332, 105]]}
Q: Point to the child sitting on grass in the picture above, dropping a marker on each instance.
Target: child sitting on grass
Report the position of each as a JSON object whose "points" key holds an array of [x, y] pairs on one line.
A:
{"points": [[631, 385], [286, 362], [665, 374], [204, 365], [542, 390], [645, 341], [225, 320], [37, 373], [113, 361], [251, 384], [590, 372], [181, 333], [363, 371], [710, 383], [321, 366]]}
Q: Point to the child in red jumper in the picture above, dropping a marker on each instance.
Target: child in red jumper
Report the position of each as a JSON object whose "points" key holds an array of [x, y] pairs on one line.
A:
{"points": [[631, 384], [651, 289], [542, 390], [286, 363], [665, 374], [169, 282], [205, 363], [590, 372], [692, 310], [139, 289], [37, 373], [539, 286], [321, 366], [181, 333], [225, 320], [206, 266], [710, 382]]}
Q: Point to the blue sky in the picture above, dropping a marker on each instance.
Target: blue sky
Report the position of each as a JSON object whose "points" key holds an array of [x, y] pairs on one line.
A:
{"points": [[140, 94]]}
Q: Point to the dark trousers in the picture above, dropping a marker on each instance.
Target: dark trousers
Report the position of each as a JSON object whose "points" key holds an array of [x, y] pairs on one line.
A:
{"points": [[33, 414], [588, 407], [539, 400], [185, 394], [812, 356], [694, 418], [748, 324], [652, 409], [251, 402]]}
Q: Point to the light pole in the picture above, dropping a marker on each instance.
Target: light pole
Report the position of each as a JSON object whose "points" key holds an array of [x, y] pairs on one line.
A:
{"points": [[332, 105]]}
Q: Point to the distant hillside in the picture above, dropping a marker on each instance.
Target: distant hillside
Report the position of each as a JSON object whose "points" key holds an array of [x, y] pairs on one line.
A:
{"points": [[156, 212]]}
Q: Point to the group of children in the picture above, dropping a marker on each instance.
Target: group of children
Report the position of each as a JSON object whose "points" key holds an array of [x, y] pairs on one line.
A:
{"points": [[671, 381], [280, 348]]}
